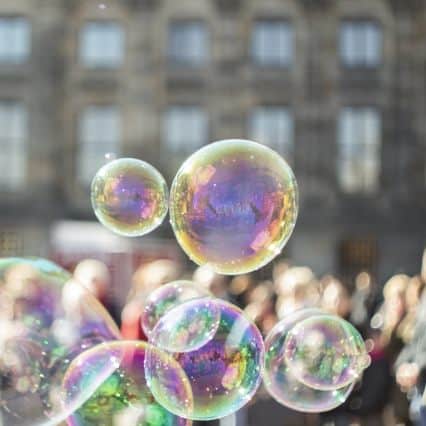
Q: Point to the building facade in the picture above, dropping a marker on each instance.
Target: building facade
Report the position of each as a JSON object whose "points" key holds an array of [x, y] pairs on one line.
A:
{"points": [[338, 87]]}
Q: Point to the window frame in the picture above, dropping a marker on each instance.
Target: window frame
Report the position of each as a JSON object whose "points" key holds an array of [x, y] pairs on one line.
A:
{"points": [[365, 150], [96, 63], [277, 63], [358, 64], [14, 60]]}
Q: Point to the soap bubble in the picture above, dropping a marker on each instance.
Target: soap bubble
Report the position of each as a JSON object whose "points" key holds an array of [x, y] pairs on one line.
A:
{"points": [[106, 385], [166, 297], [189, 326], [46, 320], [325, 352], [279, 378], [223, 374], [233, 206], [129, 197]]}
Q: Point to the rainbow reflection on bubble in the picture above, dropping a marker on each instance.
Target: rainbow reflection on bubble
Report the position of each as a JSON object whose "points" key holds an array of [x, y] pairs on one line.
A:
{"points": [[223, 374], [129, 197], [165, 298], [106, 385], [46, 319], [325, 352], [279, 379], [233, 205], [194, 324]]}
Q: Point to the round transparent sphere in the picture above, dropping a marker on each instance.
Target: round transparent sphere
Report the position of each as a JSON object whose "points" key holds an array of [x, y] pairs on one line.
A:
{"points": [[129, 197], [106, 385], [233, 205], [166, 297], [223, 373], [279, 378], [325, 352], [47, 319]]}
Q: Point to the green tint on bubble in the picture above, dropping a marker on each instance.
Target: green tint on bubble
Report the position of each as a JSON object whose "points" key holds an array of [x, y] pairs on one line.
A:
{"points": [[129, 197], [46, 319], [279, 378], [233, 205], [106, 386], [325, 352], [167, 297], [194, 324], [223, 374]]}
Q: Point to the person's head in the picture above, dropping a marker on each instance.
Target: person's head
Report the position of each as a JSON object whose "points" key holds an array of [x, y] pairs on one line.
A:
{"points": [[94, 275], [335, 297], [152, 275], [363, 282], [413, 292]]}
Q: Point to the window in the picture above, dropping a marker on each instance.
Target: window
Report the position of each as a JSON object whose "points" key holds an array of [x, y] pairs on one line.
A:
{"points": [[13, 143], [102, 45], [359, 136], [185, 128], [188, 44], [360, 43], [272, 43], [15, 40], [273, 126], [99, 133]]}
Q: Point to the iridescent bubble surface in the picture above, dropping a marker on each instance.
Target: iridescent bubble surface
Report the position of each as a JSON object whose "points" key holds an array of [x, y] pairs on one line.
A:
{"points": [[223, 374], [194, 324], [106, 385], [129, 197], [279, 379], [166, 297], [325, 352], [233, 205], [46, 319]]}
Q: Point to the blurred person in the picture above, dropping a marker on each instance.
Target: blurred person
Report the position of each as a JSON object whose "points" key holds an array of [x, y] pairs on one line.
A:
{"points": [[362, 302], [335, 297], [147, 278], [95, 276], [386, 321], [213, 282], [410, 366]]}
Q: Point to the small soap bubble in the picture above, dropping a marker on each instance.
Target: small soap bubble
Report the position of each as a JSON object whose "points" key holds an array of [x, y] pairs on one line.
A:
{"points": [[129, 197], [167, 297], [325, 352]]}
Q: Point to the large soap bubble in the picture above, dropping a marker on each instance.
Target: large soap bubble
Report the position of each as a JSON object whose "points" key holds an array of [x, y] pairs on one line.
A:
{"points": [[278, 376], [233, 206], [325, 352], [129, 197], [166, 297], [223, 374], [46, 320], [106, 385]]}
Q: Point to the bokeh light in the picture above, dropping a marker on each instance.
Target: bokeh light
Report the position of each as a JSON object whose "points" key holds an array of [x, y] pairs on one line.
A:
{"points": [[106, 385], [233, 205], [129, 197], [223, 374]]}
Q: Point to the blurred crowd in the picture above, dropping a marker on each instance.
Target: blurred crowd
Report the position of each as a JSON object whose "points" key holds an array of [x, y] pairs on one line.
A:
{"points": [[391, 316]]}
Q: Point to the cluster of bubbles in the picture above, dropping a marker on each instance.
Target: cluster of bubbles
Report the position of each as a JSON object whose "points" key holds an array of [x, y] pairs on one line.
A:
{"points": [[233, 206], [233, 203]]}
